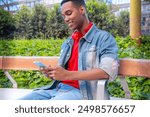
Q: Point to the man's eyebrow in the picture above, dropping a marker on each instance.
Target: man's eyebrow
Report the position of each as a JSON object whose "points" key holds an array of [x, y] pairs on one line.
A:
{"points": [[66, 11]]}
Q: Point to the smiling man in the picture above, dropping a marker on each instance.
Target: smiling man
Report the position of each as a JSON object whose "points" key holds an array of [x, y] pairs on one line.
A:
{"points": [[88, 55]]}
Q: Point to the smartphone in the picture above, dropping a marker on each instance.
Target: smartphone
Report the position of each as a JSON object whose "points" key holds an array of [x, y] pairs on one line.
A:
{"points": [[39, 64]]}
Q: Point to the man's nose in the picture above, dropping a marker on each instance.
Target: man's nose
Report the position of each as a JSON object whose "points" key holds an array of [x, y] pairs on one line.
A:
{"points": [[66, 19]]}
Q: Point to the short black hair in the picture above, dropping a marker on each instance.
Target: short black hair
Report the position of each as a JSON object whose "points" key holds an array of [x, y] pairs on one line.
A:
{"points": [[77, 2]]}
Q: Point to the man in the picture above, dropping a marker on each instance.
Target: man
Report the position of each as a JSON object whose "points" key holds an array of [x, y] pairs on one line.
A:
{"points": [[88, 55]]}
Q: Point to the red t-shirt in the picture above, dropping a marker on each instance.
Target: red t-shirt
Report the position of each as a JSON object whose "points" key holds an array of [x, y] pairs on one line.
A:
{"points": [[73, 61]]}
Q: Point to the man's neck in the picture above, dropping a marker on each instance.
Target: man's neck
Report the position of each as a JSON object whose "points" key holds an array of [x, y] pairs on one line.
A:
{"points": [[85, 24]]}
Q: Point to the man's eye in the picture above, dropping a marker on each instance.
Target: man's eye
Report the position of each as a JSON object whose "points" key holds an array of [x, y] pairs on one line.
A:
{"points": [[69, 13]]}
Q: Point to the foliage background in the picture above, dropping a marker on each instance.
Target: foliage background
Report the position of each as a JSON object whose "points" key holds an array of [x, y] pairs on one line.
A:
{"points": [[28, 79], [29, 32], [6, 24], [42, 22], [140, 87]]}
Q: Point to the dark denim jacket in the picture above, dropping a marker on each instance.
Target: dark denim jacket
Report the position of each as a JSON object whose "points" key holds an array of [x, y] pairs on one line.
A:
{"points": [[97, 49]]}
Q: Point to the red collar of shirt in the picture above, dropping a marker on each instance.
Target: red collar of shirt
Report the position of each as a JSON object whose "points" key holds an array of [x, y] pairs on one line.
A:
{"points": [[77, 35]]}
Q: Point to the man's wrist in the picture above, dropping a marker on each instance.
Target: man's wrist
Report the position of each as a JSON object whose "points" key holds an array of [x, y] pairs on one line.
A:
{"points": [[71, 75]]}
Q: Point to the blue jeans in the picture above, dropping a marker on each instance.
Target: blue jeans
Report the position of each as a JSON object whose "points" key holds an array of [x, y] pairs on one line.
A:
{"points": [[61, 92]]}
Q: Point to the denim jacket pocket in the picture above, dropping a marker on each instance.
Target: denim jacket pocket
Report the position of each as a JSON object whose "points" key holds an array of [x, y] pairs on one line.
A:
{"points": [[89, 58]]}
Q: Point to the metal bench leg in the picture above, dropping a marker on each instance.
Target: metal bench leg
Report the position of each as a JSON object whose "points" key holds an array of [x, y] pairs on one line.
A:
{"points": [[11, 79], [125, 87], [102, 93]]}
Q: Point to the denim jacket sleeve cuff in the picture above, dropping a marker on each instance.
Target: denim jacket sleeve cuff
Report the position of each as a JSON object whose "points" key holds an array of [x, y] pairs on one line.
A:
{"points": [[110, 66]]}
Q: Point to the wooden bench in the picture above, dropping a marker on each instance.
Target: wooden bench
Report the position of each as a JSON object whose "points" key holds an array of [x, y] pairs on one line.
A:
{"points": [[128, 67]]}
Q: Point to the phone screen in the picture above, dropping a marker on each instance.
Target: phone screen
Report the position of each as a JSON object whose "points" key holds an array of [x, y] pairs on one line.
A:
{"points": [[39, 64]]}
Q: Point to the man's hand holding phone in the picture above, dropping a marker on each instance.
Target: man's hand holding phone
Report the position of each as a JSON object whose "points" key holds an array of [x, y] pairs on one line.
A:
{"points": [[43, 68], [57, 72]]}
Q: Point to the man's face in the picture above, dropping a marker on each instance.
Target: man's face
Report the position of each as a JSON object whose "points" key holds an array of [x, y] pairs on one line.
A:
{"points": [[73, 15]]}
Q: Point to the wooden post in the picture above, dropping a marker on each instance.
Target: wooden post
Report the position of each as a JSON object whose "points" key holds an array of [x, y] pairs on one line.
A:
{"points": [[135, 18]]}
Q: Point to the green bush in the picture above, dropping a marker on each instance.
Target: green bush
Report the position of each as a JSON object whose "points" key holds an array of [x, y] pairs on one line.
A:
{"points": [[139, 87], [34, 47], [28, 79], [129, 48]]}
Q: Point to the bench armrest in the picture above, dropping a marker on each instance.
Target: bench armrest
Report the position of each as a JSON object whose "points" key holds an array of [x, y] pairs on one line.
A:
{"points": [[102, 93]]}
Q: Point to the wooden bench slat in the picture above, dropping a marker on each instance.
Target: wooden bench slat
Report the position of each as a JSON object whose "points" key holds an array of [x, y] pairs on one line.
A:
{"points": [[26, 63], [0, 62], [128, 67], [134, 67]]}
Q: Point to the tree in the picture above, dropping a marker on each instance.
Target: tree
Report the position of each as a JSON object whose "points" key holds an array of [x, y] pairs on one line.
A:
{"points": [[100, 14], [6, 24], [23, 23], [55, 24], [122, 23], [39, 19], [41, 22]]}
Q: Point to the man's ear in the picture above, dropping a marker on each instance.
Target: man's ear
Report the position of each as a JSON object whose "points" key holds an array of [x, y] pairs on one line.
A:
{"points": [[82, 9]]}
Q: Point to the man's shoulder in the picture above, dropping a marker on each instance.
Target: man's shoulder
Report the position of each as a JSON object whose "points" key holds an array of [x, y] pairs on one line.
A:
{"points": [[102, 34], [101, 31]]}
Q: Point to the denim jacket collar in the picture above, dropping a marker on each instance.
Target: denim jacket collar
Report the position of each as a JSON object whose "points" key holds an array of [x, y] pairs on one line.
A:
{"points": [[88, 36]]}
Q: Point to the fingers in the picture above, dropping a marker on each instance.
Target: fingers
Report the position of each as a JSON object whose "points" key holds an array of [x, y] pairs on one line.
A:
{"points": [[46, 71], [49, 68], [53, 72]]}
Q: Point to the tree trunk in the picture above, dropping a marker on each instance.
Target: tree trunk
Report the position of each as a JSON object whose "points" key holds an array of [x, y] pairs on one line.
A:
{"points": [[135, 18]]}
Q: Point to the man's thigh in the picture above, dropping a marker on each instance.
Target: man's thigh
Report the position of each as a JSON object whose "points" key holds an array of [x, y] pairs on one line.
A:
{"points": [[61, 92], [39, 95], [66, 92]]}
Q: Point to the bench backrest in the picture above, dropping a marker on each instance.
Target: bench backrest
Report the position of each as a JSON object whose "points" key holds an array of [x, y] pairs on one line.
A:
{"points": [[25, 63], [128, 67], [134, 67]]}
